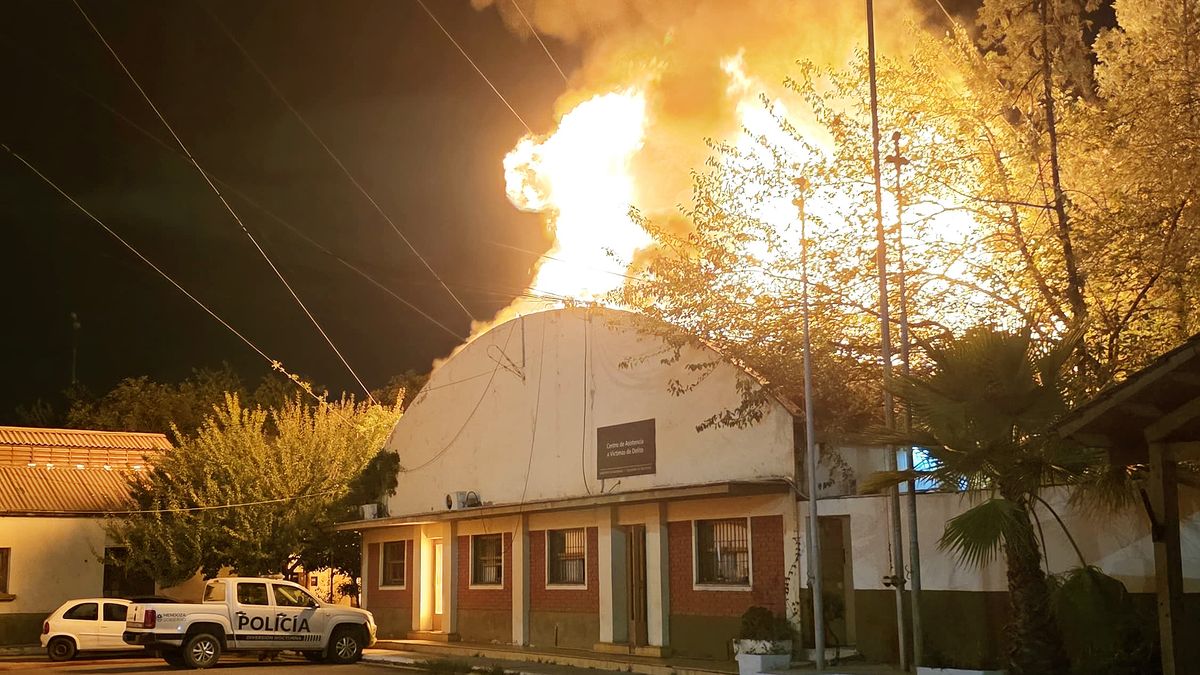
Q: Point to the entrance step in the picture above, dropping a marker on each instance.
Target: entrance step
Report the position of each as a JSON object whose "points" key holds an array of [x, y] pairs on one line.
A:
{"points": [[631, 663]]}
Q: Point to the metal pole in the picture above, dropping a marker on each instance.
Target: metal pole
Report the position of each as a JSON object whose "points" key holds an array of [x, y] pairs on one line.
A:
{"points": [[886, 348], [914, 546], [814, 541]]}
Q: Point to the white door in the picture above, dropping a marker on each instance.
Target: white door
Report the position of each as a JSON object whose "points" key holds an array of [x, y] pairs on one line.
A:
{"points": [[112, 624], [83, 622], [300, 622]]}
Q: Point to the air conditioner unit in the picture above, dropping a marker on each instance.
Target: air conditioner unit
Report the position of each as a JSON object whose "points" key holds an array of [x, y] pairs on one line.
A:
{"points": [[465, 499]]}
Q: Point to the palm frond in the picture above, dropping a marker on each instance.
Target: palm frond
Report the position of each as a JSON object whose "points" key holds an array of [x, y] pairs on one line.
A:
{"points": [[976, 535], [882, 480]]}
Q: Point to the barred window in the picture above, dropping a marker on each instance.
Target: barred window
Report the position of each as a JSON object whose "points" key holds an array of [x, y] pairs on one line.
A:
{"points": [[394, 560], [723, 552], [4, 556], [566, 557], [487, 560]]}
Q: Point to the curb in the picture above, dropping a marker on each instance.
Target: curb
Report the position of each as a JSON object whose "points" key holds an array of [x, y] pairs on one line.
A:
{"points": [[21, 650]]}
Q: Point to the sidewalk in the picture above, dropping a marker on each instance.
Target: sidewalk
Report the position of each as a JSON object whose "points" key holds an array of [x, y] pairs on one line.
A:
{"points": [[444, 658]]}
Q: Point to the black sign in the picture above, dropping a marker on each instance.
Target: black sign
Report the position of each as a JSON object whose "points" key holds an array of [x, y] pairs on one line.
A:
{"points": [[625, 449]]}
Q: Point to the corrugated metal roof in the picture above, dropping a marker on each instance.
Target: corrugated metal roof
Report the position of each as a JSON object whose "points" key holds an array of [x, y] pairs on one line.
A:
{"points": [[24, 446], [26, 490]]}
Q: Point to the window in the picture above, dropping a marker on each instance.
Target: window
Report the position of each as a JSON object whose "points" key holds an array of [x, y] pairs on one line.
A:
{"points": [[487, 560], [312, 581], [4, 555], [214, 591], [566, 557], [393, 563], [723, 552], [290, 596], [87, 611], [115, 612], [252, 594]]}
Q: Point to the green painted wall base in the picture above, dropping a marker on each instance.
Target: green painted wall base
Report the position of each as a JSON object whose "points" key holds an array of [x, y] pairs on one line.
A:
{"points": [[572, 630], [480, 625], [20, 629], [394, 622], [704, 637]]}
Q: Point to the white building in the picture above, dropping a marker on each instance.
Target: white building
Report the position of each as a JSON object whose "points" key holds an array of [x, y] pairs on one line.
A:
{"points": [[556, 492]]}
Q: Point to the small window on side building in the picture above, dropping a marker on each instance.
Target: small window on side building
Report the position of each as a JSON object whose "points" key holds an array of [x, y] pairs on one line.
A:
{"points": [[393, 563], [5, 553]]}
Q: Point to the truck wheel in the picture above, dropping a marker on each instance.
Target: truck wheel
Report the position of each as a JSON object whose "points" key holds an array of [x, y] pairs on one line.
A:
{"points": [[61, 649], [201, 650], [345, 645]]}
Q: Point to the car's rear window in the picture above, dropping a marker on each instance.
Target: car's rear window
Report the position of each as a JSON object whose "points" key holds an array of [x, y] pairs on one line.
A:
{"points": [[84, 611], [115, 611], [214, 591]]}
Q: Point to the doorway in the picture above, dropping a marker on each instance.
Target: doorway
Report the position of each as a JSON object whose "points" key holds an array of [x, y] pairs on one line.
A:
{"points": [[837, 578], [438, 610], [635, 564]]}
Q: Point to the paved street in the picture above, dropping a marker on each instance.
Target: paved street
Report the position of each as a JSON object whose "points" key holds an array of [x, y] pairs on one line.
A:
{"points": [[147, 666]]}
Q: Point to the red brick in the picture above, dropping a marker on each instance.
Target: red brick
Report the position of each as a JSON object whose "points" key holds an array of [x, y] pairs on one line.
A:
{"points": [[389, 597], [766, 534], [542, 599], [495, 598]]}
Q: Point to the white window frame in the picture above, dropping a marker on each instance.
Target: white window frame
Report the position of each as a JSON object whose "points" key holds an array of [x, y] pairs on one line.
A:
{"points": [[586, 552], [696, 583], [383, 566], [503, 568]]}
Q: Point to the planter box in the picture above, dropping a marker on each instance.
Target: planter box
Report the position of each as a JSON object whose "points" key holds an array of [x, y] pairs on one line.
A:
{"points": [[762, 656], [928, 670]]}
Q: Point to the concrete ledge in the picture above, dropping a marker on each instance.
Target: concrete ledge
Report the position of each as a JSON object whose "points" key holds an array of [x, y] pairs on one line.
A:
{"points": [[21, 650], [433, 637], [622, 661], [649, 651]]}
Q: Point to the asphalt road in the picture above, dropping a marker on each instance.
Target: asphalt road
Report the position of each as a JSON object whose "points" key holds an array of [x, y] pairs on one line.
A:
{"points": [[239, 665]]}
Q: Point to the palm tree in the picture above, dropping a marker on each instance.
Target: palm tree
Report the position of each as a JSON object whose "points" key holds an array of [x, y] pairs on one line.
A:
{"points": [[984, 414]]}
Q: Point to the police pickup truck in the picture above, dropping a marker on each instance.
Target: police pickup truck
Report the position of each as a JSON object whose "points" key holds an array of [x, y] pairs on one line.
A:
{"points": [[250, 614]]}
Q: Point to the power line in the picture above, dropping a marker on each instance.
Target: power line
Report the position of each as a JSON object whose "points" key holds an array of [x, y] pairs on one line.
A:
{"points": [[472, 62], [275, 363], [539, 39], [249, 200], [333, 156], [221, 197]]}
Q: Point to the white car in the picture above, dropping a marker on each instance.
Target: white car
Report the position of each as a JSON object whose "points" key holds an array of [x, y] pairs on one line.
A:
{"points": [[85, 625]]}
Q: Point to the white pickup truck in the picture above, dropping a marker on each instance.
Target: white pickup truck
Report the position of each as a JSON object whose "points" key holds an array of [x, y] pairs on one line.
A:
{"points": [[250, 614]]}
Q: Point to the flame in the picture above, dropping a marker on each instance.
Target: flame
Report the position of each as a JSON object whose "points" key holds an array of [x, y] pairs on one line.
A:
{"points": [[580, 177]]}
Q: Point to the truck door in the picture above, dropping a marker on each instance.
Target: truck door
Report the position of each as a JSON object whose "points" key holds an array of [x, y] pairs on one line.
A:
{"points": [[301, 624], [253, 615]]}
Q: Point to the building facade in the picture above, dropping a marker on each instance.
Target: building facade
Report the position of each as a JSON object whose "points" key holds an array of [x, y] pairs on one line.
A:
{"points": [[556, 491]]}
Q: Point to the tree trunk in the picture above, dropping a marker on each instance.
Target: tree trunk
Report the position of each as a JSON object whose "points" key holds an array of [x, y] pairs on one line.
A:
{"points": [[1035, 645]]}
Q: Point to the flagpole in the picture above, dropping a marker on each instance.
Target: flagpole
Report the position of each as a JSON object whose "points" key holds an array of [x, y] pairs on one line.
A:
{"points": [[815, 583], [889, 419]]}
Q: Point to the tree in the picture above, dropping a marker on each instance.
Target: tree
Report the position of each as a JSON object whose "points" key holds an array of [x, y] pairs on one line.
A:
{"points": [[253, 489], [985, 413]]}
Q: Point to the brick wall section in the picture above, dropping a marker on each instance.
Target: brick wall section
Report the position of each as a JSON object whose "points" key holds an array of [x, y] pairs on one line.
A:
{"points": [[542, 599], [494, 597], [766, 533], [388, 597]]}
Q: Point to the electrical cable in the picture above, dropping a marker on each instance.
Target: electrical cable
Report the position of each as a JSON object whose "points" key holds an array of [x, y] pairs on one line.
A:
{"points": [[472, 62], [537, 405], [221, 197], [336, 160], [470, 415], [274, 363], [539, 39]]}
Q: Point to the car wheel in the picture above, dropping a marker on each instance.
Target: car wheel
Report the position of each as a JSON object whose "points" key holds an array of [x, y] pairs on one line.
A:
{"points": [[173, 657], [346, 645], [201, 650], [61, 649]]}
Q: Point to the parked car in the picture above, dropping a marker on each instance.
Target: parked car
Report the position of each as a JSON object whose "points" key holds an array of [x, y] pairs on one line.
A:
{"points": [[85, 625], [250, 614]]}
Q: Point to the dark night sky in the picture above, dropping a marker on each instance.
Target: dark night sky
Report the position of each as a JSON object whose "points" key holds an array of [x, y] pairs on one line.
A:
{"points": [[384, 88]]}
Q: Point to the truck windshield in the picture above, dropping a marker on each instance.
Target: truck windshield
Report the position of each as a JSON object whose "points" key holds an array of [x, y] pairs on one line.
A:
{"points": [[214, 591]]}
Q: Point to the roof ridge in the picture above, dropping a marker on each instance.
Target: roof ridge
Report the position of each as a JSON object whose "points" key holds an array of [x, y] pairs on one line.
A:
{"points": [[63, 430]]}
